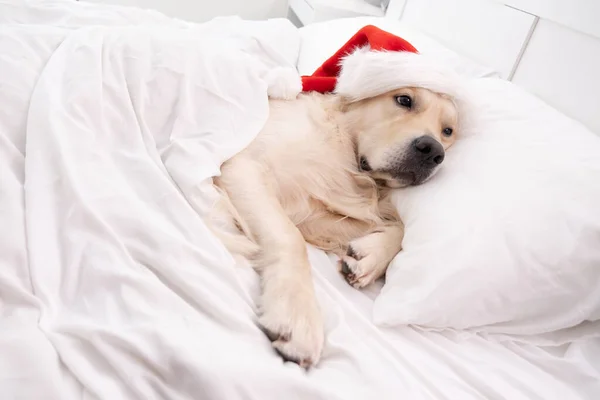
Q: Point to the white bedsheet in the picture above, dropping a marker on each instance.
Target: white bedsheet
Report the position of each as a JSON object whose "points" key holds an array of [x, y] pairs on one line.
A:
{"points": [[111, 286]]}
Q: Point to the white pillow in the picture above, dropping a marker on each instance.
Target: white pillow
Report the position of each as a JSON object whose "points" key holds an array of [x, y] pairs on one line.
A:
{"points": [[506, 238], [321, 40]]}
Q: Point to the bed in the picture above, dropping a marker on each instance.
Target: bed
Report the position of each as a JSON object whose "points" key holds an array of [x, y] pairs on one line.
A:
{"points": [[112, 286]]}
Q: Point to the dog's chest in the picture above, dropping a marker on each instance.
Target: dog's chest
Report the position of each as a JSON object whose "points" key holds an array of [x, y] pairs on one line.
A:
{"points": [[322, 182]]}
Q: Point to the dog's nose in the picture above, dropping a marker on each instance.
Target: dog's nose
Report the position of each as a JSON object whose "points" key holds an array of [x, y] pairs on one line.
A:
{"points": [[429, 149]]}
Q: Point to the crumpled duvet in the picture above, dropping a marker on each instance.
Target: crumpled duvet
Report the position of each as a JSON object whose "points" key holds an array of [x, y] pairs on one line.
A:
{"points": [[122, 292]]}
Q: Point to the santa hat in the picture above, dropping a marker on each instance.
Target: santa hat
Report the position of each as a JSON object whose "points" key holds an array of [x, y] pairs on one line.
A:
{"points": [[373, 62]]}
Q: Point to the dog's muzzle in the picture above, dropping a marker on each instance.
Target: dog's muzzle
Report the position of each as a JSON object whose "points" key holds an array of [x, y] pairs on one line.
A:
{"points": [[421, 160], [427, 152]]}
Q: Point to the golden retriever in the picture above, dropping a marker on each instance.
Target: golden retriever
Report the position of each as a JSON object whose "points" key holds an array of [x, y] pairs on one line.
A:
{"points": [[320, 172]]}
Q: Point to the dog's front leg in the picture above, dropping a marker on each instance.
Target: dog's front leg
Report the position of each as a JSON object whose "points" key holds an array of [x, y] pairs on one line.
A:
{"points": [[368, 257], [289, 310]]}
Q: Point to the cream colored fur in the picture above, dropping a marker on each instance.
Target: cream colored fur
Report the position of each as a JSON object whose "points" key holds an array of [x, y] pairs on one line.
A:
{"points": [[299, 182]]}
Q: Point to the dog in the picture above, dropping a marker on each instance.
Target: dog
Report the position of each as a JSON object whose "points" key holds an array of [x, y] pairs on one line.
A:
{"points": [[321, 172]]}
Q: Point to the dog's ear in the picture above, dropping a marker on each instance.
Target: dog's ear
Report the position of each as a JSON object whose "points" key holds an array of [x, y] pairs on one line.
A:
{"points": [[344, 104]]}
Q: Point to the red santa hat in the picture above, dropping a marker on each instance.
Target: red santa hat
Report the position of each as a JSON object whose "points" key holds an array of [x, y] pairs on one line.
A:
{"points": [[373, 62]]}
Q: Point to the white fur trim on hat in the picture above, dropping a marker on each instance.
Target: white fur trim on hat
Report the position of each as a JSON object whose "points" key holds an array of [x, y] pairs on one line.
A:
{"points": [[365, 73], [283, 83]]}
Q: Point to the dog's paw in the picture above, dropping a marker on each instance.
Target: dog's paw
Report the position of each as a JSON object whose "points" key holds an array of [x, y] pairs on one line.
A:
{"points": [[294, 324], [366, 260]]}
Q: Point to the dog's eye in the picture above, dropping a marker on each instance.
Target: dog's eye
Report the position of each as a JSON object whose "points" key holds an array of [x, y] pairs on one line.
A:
{"points": [[404, 101], [447, 131]]}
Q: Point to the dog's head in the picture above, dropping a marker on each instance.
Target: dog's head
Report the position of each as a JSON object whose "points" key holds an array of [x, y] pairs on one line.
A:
{"points": [[402, 136]]}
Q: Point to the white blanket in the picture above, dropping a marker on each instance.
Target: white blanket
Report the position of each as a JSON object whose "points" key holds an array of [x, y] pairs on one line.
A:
{"points": [[112, 121]]}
